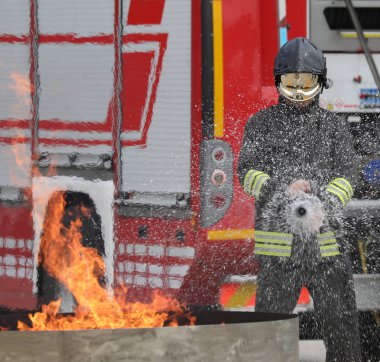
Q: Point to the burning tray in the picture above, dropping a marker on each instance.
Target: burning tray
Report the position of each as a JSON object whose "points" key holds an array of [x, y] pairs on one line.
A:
{"points": [[217, 336]]}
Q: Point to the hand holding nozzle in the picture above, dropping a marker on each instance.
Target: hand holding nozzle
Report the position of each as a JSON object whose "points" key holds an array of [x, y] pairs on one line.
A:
{"points": [[297, 187]]}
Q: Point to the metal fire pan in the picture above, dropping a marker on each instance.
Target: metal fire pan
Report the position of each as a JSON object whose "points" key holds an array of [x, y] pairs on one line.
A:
{"points": [[218, 336]]}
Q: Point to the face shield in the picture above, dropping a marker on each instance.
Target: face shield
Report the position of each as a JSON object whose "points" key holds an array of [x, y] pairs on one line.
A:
{"points": [[299, 87]]}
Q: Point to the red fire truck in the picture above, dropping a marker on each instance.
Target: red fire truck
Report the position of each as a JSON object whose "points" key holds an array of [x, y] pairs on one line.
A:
{"points": [[140, 105]]}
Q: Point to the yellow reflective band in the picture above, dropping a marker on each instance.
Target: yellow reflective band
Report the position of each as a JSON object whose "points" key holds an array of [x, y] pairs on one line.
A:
{"points": [[331, 254], [248, 180], [323, 235], [341, 188], [271, 253], [274, 233], [253, 181], [274, 241], [259, 182], [280, 244], [328, 241], [329, 247], [268, 246], [343, 183], [338, 192]]}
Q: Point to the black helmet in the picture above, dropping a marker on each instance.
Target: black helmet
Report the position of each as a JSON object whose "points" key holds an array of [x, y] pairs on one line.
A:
{"points": [[300, 55]]}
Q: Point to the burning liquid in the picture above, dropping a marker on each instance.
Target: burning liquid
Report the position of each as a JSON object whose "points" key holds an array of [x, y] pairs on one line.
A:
{"points": [[79, 269]]}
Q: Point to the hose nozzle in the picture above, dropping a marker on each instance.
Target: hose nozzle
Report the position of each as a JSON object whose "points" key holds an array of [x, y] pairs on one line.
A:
{"points": [[301, 211]]}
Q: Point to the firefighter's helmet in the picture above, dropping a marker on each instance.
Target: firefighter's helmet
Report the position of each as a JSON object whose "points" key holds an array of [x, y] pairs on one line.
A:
{"points": [[300, 70]]}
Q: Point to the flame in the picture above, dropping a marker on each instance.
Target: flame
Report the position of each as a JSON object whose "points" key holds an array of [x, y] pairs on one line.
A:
{"points": [[79, 268], [21, 85]]}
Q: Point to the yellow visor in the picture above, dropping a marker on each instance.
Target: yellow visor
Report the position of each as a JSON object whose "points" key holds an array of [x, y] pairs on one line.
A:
{"points": [[299, 86]]}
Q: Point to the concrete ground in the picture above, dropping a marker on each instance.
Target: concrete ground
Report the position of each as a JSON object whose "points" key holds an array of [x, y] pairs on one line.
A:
{"points": [[312, 351]]}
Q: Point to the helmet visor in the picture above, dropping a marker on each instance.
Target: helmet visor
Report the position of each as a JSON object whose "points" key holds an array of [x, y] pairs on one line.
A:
{"points": [[299, 86]]}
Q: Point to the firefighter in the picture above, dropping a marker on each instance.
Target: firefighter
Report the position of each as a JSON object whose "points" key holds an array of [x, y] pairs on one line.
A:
{"points": [[297, 149]]}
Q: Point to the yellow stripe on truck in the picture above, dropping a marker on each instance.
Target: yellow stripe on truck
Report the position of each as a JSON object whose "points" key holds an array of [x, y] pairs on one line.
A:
{"points": [[218, 68], [230, 234]]}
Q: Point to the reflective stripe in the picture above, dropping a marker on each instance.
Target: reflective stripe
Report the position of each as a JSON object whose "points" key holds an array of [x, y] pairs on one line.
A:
{"points": [[259, 182], [328, 244], [331, 254], [268, 246], [341, 188], [326, 236], [344, 184], [253, 181], [328, 241], [283, 236], [273, 237], [272, 252], [332, 250], [274, 241], [329, 247], [267, 243], [280, 244], [248, 180], [338, 192]]}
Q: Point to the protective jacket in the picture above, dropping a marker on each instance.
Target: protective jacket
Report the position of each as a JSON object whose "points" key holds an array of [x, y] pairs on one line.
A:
{"points": [[284, 143]]}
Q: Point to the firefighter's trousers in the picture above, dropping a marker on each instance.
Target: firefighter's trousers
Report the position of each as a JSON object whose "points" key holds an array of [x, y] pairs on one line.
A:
{"points": [[331, 287]]}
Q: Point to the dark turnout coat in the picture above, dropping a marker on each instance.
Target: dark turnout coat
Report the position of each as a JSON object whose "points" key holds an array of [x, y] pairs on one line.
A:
{"points": [[288, 143], [282, 144]]}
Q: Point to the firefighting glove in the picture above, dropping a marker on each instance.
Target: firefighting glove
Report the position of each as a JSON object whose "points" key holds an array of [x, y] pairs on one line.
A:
{"points": [[298, 187]]}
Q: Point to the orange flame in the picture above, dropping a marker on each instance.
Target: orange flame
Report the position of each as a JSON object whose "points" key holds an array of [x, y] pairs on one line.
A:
{"points": [[79, 268], [21, 85]]}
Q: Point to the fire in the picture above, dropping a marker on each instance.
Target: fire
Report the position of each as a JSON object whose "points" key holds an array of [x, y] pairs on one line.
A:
{"points": [[79, 269], [21, 85]]}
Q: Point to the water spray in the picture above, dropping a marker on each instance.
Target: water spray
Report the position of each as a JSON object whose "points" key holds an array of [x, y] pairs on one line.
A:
{"points": [[304, 214]]}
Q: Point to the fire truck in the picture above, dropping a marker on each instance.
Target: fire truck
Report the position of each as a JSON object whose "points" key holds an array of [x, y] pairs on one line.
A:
{"points": [[135, 109], [139, 107]]}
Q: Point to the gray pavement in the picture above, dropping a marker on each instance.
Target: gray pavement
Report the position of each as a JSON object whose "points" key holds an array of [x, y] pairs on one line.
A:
{"points": [[312, 351]]}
